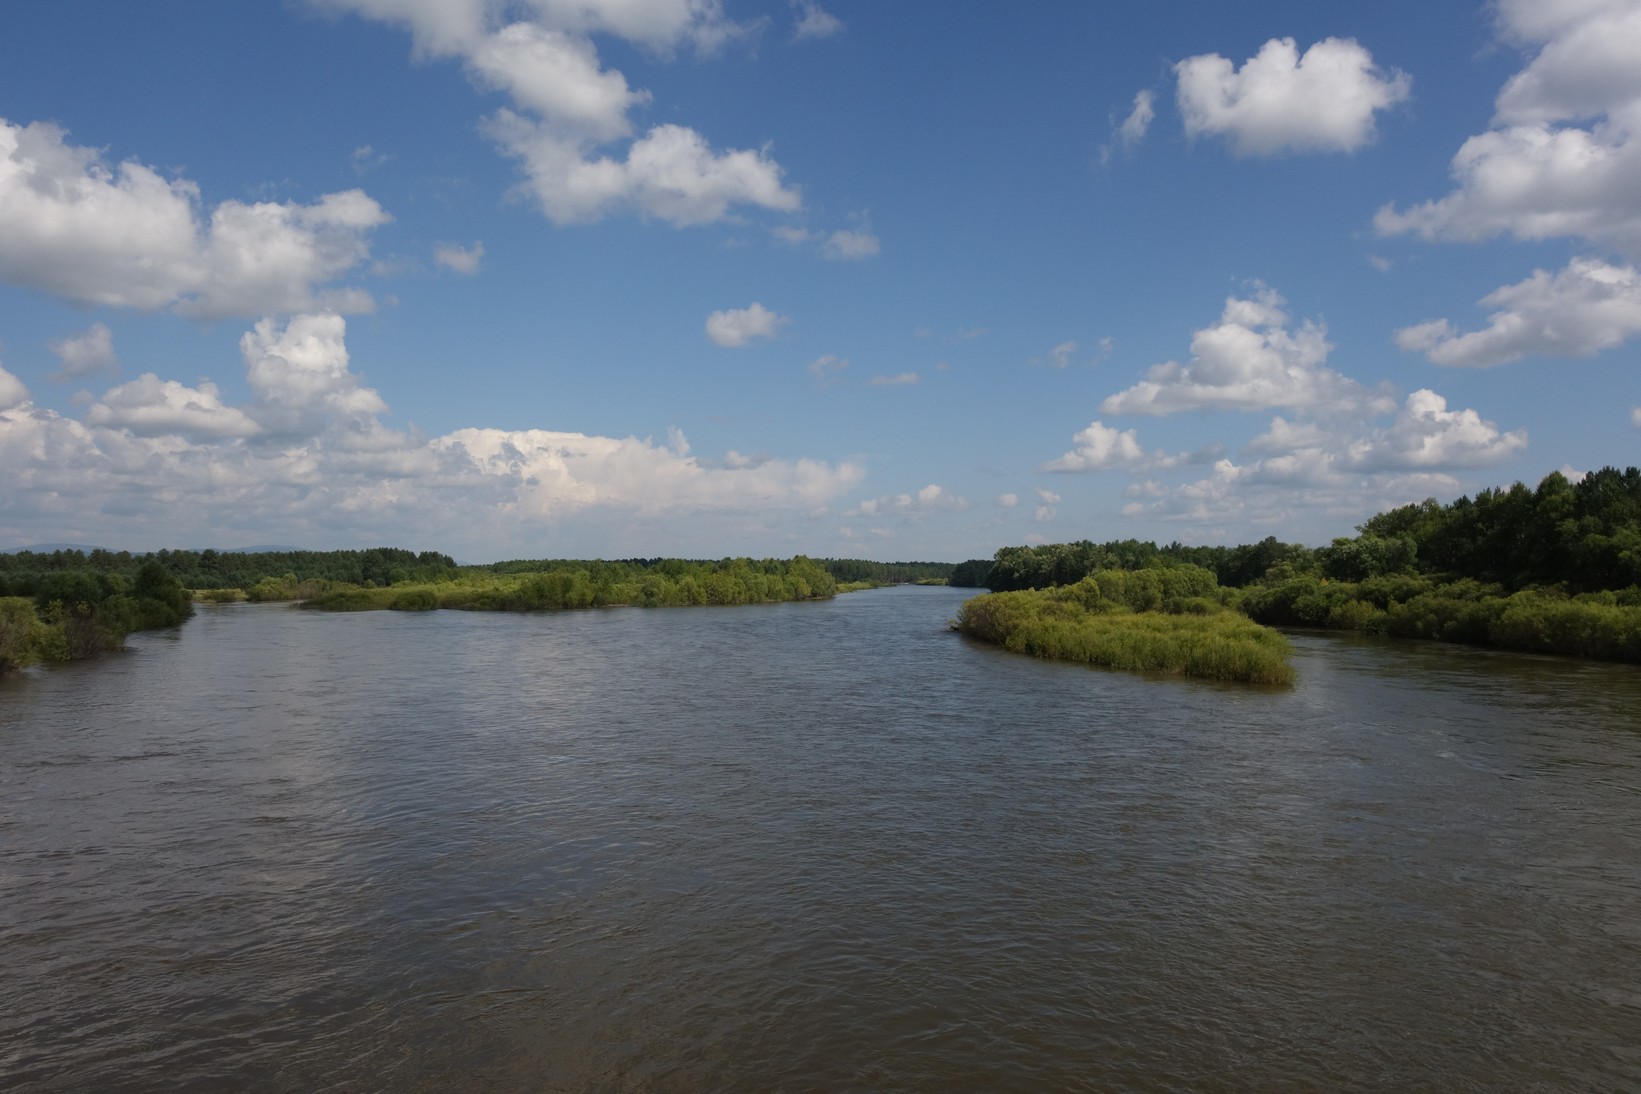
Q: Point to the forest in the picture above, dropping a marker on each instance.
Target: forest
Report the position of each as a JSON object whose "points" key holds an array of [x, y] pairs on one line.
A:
{"points": [[1551, 569]]}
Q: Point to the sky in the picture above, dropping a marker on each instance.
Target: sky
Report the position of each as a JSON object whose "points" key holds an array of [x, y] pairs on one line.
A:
{"points": [[912, 280]]}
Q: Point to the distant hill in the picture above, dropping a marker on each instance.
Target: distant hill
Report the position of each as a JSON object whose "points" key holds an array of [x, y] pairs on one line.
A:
{"points": [[257, 550], [47, 548]]}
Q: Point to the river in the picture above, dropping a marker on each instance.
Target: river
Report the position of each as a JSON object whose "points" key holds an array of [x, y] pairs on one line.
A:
{"points": [[827, 846]]}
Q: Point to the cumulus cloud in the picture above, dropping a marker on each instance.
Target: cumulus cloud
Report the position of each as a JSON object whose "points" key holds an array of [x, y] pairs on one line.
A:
{"points": [[738, 326], [125, 236], [1425, 435], [161, 462], [1588, 307], [932, 498], [85, 354], [151, 407], [1299, 471], [1249, 360], [1341, 452], [12, 392], [899, 379], [463, 260], [1100, 448], [1007, 501], [1281, 101], [671, 174], [1635, 414], [299, 373], [1564, 149], [812, 22], [567, 106]]}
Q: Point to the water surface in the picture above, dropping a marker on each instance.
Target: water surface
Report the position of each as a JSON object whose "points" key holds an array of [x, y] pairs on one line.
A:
{"points": [[808, 847]]}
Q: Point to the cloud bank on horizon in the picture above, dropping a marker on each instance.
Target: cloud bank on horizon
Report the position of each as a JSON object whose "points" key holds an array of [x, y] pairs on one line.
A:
{"points": [[465, 310]]}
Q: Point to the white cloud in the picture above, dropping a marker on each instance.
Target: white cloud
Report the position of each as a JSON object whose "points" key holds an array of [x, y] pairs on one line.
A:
{"points": [[932, 498], [568, 106], [126, 237], [1425, 435], [670, 174], [85, 354], [826, 367], [813, 22], [1249, 360], [738, 326], [463, 260], [1100, 448], [365, 158], [899, 379], [1007, 501], [1635, 414], [1564, 152], [1344, 451], [151, 407], [1289, 500], [1060, 355], [158, 462], [1045, 512], [299, 374], [1588, 307], [844, 244], [1133, 129], [1280, 101], [12, 392], [851, 243]]}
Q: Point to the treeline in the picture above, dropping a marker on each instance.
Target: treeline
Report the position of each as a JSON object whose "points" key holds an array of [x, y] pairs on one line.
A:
{"points": [[211, 569], [860, 571], [1066, 563], [65, 615], [1556, 569], [551, 584]]}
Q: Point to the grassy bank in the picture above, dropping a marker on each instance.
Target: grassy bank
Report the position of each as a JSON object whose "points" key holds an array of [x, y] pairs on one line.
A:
{"points": [[667, 583], [1603, 625], [1170, 621]]}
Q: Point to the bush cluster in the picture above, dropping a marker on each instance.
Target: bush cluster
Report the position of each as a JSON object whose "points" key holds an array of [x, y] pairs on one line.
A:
{"points": [[1169, 621]]}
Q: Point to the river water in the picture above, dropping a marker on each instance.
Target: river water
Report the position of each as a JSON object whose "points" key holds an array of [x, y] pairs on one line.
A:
{"points": [[824, 846]]}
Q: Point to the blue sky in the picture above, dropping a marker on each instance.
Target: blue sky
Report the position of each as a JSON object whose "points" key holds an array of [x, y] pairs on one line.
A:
{"points": [[587, 278]]}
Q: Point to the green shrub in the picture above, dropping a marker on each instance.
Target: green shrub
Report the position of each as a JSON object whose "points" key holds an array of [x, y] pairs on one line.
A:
{"points": [[1058, 623], [414, 600]]}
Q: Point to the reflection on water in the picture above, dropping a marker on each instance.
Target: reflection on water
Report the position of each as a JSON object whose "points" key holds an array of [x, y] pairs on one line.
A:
{"points": [[811, 846]]}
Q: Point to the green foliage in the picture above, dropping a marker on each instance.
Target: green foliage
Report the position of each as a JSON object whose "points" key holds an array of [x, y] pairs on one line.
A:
{"points": [[211, 569], [866, 574], [414, 600], [971, 574], [22, 634], [1066, 563], [1111, 619], [550, 585]]}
